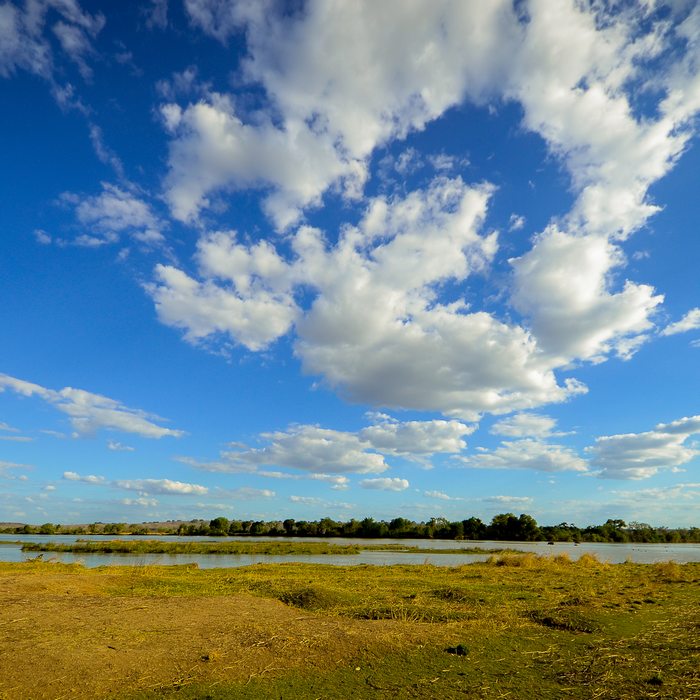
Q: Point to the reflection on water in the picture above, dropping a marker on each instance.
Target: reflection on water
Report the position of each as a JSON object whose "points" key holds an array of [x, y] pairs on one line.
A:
{"points": [[613, 553]]}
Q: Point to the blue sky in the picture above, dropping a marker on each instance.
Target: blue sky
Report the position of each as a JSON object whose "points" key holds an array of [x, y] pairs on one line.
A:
{"points": [[268, 260]]}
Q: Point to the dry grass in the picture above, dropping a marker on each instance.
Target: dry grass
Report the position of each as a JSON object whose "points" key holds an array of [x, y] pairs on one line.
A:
{"points": [[522, 626]]}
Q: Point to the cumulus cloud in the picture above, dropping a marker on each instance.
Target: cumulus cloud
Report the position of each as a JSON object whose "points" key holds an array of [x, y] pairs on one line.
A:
{"points": [[642, 455], [528, 454], [417, 438], [90, 412], [143, 486], [375, 329], [214, 149], [246, 293], [563, 286], [328, 455], [526, 425], [160, 486], [339, 483], [385, 484], [689, 322], [380, 313], [394, 77], [572, 68], [313, 449]]}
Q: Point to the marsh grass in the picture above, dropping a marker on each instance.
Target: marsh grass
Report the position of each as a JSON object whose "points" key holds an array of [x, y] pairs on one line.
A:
{"points": [[531, 627]]}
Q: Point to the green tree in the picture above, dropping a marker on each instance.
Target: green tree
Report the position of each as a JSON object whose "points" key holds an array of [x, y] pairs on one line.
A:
{"points": [[218, 527]]}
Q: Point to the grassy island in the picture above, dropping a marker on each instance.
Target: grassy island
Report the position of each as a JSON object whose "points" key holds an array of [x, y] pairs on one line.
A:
{"points": [[136, 547]]}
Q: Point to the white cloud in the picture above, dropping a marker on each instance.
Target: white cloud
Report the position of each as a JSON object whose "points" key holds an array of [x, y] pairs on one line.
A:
{"points": [[157, 14], [183, 83], [339, 81], [90, 412], [142, 502], [306, 500], [314, 501], [213, 149], [385, 484], [103, 152], [246, 293], [509, 500], [42, 237], [339, 483], [416, 438], [160, 486], [375, 330], [216, 18], [118, 446], [393, 77], [244, 493], [5, 467], [577, 65], [112, 212], [677, 492], [689, 322], [528, 454], [313, 449], [89, 479], [563, 286], [526, 425], [16, 438], [76, 44], [8, 428], [441, 496], [390, 68], [642, 455], [516, 222], [24, 44]]}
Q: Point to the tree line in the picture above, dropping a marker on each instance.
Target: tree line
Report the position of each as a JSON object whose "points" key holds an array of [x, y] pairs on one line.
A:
{"points": [[503, 527]]}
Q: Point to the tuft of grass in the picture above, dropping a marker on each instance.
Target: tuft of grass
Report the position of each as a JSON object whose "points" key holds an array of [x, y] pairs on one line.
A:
{"points": [[313, 598], [669, 572], [563, 619]]}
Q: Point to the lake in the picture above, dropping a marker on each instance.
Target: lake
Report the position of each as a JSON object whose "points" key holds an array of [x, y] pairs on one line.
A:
{"points": [[612, 553]]}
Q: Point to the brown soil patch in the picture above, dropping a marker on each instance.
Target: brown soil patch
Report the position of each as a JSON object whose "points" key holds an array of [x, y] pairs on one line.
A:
{"points": [[62, 636]]}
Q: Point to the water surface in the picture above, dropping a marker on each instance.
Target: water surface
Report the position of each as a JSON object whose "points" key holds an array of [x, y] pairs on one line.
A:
{"points": [[612, 553]]}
